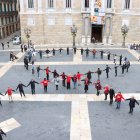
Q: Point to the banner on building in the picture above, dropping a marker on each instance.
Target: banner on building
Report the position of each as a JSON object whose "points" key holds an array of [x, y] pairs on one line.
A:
{"points": [[98, 12]]}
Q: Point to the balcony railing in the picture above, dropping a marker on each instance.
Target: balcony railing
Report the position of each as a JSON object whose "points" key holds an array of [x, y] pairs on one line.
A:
{"points": [[8, 13]]}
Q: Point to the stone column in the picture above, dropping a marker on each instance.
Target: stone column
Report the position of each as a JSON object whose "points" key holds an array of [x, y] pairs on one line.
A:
{"points": [[110, 32], [104, 32], [83, 30]]}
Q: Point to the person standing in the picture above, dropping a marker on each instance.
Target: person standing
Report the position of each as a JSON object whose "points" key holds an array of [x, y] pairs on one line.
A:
{"points": [[108, 55], [32, 83], [79, 75], [99, 72], [74, 49], [60, 51], [106, 91], [98, 87], [21, 47], [2, 133], [107, 71], [123, 68], [56, 81], [67, 50], [118, 99], [120, 60], [68, 79], [45, 84], [112, 94], [94, 53], [86, 84], [0, 99], [89, 75], [127, 65], [82, 50], [21, 90], [74, 79], [116, 70], [26, 62], [102, 54], [47, 72], [63, 79], [38, 71], [11, 56], [10, 91], [132, 102], [33, 69], [53, 52], [40, 53], [87, 52], [8, 44], [115, 58], [2, 45], [55, 74], [47, 52]]}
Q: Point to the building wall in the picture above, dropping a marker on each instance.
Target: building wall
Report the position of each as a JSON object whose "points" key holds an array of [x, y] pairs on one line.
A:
{"points": [[9, 18], [48, 26]]}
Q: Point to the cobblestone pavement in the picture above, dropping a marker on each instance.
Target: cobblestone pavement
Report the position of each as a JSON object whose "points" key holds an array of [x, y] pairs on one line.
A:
{"points": [[65, 114]]}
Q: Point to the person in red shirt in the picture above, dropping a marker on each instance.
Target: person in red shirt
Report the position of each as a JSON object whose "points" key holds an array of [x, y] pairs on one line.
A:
{"points": [[45, 84], [94, 53], [119, 98], [106, 91], [79, 75], [10, 92], [74, 79], [68, 79], [47, 72], [86, 84], [98, 87]]}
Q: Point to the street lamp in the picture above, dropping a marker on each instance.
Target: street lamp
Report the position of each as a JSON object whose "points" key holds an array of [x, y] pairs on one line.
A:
{"points": [[124, 30], [73, 32], [27, 32]]}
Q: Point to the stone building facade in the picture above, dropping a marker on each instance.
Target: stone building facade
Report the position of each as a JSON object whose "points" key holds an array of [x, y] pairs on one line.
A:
{"points": [[50, 20], [9, 17]]}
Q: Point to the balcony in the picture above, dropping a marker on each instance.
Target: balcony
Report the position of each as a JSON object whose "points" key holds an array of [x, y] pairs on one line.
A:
{"points": [[85, 10], [8, 13]]}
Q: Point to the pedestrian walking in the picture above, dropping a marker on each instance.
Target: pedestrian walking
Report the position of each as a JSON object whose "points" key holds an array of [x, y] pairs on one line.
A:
{"points": [[26, 62], [53, 52], [82, 50], [112, 95], [11, 56], [74, 49], [32, 84], [47, 52], [10, 91], [45, 84], [63, 79], [106, 91], [60, 51], [118, 99], [20, 88], [132, 102], [115, 58], [87, 52], [123, 68], [33, 69], [2, 133], [21, 47]]}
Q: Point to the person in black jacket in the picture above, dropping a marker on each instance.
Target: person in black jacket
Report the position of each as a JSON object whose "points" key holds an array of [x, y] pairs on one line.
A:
{"points": [[132, 104], [0, 99], [2, 134], [32, 83], [107, 70], [67, 50], [89, 75], [112, 94], [20, 87], [55, 74]]}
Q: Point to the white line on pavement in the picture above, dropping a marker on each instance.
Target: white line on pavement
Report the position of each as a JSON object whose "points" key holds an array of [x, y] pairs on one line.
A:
{"points": [[9, 125]]}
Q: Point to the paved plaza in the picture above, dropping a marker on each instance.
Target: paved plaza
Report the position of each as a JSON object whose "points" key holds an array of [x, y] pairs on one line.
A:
{"points": [[69, 114]]}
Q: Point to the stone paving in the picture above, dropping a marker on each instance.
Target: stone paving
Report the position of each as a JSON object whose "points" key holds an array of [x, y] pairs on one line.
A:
{"points": [[64, 114]]}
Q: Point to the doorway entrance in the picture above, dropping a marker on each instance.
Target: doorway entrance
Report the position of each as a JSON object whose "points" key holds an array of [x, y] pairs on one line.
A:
{"points": [[96, 33]]}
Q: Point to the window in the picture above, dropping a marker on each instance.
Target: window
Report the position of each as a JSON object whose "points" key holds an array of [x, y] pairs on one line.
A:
{"points": [[31, 21], [86, 3], [68, 3], [126, 4], [50, 3], [109, 3], [68, 21], [30, 3]]}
